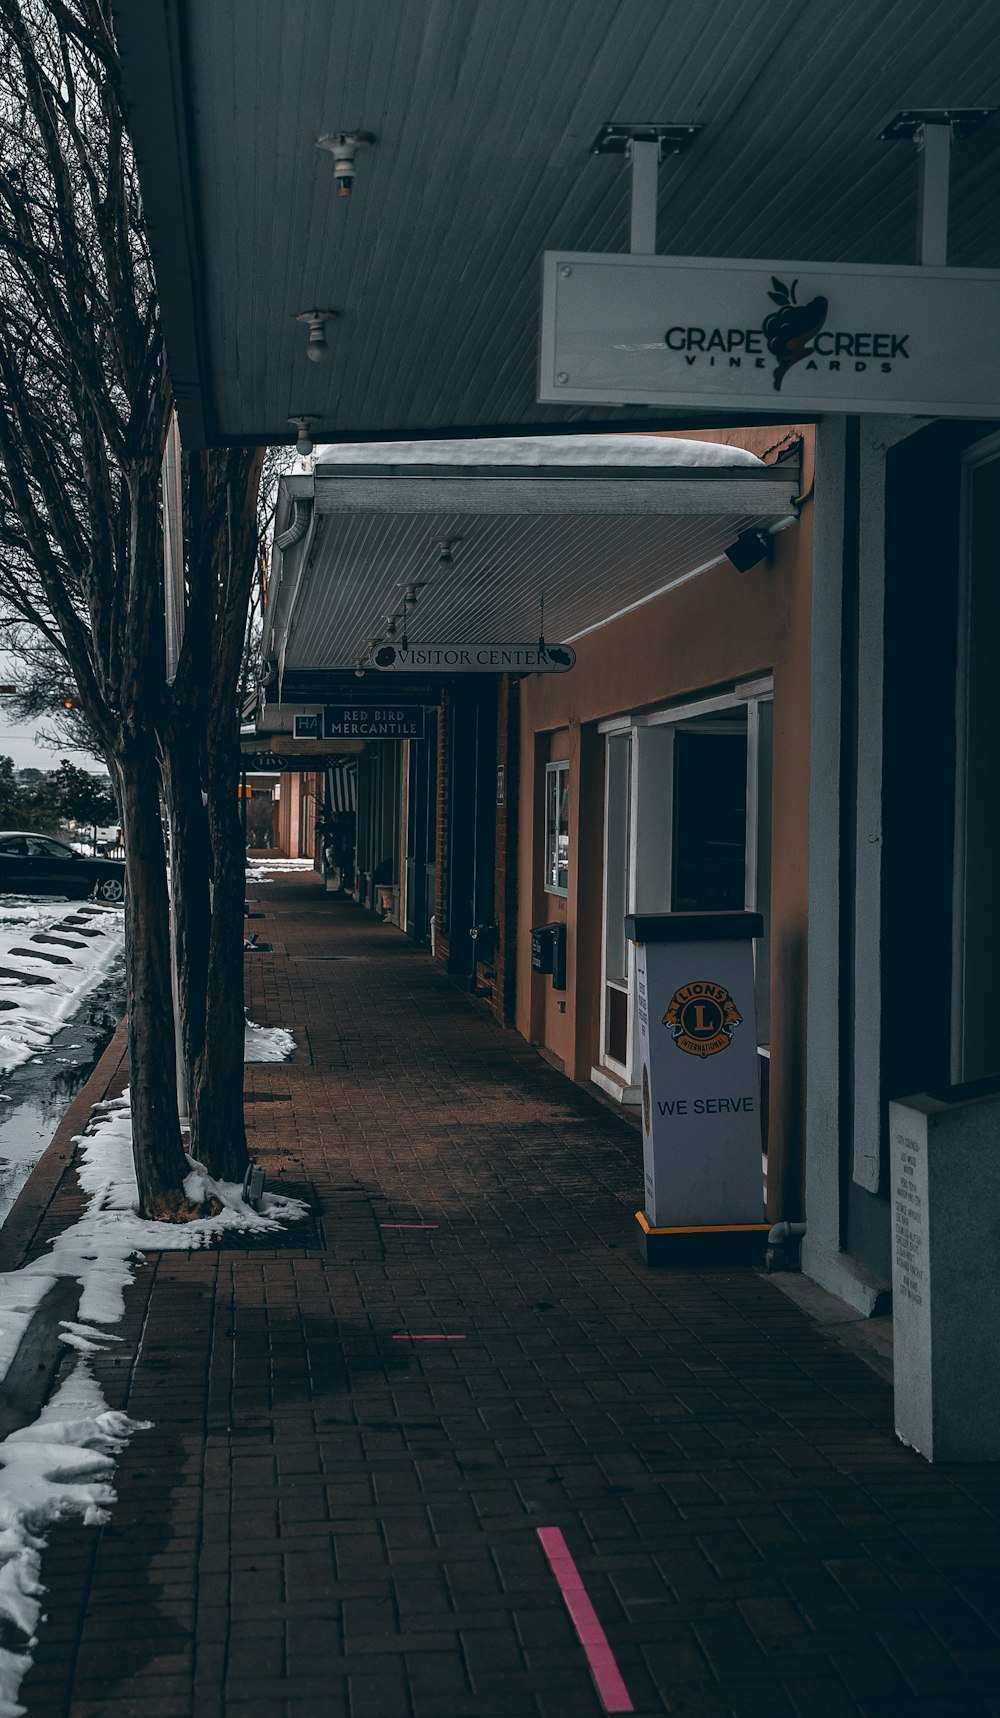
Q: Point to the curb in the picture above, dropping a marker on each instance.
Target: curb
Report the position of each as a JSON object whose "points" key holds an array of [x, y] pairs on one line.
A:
{"points": [[29, 1209]]}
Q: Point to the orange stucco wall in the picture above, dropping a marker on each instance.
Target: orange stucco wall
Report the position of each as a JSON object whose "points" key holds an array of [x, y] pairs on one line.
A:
{"points": [[699, 638]]}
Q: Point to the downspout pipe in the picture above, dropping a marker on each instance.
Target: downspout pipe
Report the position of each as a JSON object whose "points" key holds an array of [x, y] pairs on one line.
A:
{"points": [[297, 526], [783, 1243]]}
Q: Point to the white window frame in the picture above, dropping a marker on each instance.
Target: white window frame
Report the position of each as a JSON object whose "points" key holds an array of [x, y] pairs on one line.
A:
{"points": [[619, 1079], [616, 730], [558, 767]]}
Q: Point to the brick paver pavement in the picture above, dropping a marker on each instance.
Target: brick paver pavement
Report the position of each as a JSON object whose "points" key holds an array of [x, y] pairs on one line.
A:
{"points": [[326, 1520]]}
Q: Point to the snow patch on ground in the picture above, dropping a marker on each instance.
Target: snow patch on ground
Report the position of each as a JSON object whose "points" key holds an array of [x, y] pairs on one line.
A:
{"points": [[267, 1043], [256, 868], [44, 993], [61, 1464], [539, 450]]}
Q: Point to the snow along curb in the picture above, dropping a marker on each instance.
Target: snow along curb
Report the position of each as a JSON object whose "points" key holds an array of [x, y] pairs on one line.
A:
{"points": [[52, 954], [62, 1462]]}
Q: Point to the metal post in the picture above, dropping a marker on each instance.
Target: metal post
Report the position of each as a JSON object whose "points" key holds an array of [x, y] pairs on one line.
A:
{"points": [[645, 159], [173, 598], [934, 142]]}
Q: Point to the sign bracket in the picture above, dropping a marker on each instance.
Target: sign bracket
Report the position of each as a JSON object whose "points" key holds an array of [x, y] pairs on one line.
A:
{"points": [[644, 146], [933, 130]]}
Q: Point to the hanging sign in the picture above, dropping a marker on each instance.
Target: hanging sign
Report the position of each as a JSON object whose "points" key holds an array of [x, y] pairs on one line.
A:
{"points": [[700, 1079], [267, 763], [474, 658], [769, 336], [372, 722]]}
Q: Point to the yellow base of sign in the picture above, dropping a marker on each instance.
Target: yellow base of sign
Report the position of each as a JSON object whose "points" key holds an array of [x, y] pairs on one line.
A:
{"points": [[701, 1243], [701, 1228]]}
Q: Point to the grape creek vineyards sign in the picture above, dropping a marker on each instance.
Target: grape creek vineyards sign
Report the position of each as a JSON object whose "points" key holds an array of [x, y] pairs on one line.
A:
{"points": [[777, 336], [474, 658]]}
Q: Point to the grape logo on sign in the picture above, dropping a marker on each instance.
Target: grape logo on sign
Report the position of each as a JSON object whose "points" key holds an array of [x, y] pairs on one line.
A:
{"points": [[702, 1018], [789, 329]]}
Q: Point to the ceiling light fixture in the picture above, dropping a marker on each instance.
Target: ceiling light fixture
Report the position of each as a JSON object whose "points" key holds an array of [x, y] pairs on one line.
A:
{"points": [[446, 549], [411, 592], [304, 443], [318, 347], [344, 146]]}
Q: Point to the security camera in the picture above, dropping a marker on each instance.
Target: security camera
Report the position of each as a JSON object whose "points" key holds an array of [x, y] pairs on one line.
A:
{"points": [[749, 549]]}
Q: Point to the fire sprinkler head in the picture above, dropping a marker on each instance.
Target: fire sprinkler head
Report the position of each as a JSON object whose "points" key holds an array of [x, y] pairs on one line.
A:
{"points": [[316, 320], [344, 146]]}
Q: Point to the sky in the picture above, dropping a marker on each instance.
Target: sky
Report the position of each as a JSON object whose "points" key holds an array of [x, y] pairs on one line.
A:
{"points": [[20, 740]]}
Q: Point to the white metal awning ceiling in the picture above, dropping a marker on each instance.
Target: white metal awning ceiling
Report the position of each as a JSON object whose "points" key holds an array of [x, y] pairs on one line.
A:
{"points": [[593, 539]]}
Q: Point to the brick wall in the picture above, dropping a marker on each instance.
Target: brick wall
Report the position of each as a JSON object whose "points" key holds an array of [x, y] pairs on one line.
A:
{"points": [[508, 757], [441, 943]]}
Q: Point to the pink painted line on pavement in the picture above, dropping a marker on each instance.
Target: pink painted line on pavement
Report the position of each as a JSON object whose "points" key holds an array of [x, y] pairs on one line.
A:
{"points": [[407, 1225], [405, 1337], [613, 1694]]}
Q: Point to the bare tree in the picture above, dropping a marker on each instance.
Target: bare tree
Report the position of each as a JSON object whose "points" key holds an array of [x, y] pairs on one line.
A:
{"points": [[201, 749], [85, 404]]}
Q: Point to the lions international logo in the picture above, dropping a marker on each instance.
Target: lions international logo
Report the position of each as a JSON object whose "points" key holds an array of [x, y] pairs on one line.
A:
{"points": [[789, 329], [702, 1018]]}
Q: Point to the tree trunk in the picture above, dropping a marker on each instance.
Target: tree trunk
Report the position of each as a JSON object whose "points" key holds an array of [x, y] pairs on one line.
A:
{"points": [[209, 940], [202, 746], [220, 1092], [160, 1164], [191, 907]]}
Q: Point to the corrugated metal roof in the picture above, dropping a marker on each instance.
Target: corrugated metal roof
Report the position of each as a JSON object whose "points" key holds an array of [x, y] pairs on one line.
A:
{"points": [[484, 112]]}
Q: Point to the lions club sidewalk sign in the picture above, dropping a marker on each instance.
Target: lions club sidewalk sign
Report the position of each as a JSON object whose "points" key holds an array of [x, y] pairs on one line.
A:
{"points": [[700, 1085]]}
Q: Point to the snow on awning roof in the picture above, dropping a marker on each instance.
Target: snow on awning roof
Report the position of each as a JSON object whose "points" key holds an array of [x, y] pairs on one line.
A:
{"points": [[597, 522], [563, 450]]}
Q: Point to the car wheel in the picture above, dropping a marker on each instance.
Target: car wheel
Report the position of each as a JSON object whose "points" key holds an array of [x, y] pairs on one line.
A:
{"points": [[110, 889]]}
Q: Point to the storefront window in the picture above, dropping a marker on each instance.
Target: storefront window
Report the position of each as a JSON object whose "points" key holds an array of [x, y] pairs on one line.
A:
{"points": [[557, 828]]}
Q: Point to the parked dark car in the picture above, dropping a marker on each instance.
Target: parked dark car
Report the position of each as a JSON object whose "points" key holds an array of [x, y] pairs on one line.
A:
{"points": [[37, 865]]}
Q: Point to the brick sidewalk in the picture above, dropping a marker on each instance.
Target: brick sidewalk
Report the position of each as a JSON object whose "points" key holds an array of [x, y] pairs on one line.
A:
{"points": [[325, 1520]]}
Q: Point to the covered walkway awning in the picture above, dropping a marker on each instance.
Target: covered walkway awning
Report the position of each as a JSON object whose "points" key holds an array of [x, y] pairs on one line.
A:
{"points": [[593, 525], [484, 113]]}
